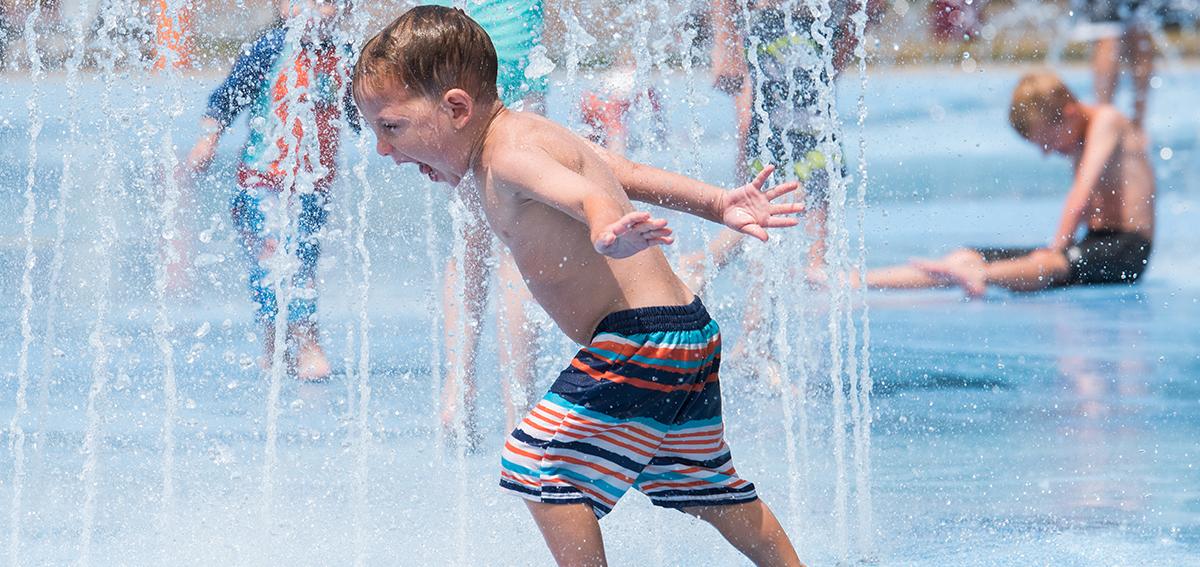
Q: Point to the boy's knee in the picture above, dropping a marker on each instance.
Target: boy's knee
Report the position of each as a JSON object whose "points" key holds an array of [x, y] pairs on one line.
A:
{"points": [[1048, 257], [964, 255], [267, 249]]}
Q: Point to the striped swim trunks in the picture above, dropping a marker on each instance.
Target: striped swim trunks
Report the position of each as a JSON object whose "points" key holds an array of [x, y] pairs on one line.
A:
{"points": [[640, 407]]}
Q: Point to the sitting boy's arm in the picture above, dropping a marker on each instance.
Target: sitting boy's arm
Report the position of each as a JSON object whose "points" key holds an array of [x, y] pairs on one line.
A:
{"points": [[615, 229], [747, 209], [1099, 143]]}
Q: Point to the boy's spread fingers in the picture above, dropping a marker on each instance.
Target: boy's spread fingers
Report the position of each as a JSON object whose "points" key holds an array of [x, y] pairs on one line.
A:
{"points": [[783, 189], [653, 224], [762, 176], [756, 231], [787, 208], [782, 222], [636, 217]]}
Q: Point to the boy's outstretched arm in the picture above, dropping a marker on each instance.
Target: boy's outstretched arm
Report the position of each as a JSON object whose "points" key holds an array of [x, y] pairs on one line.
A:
{"points": [[747, 209], [615, 229], [1100, 141]]}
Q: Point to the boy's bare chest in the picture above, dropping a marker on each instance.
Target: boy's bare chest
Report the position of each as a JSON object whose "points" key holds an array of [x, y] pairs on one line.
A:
{"points": [[531, 228]]}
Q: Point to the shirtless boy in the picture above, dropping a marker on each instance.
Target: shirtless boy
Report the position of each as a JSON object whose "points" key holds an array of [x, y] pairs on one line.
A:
{"points": [[639, 406], [1113, 195]]}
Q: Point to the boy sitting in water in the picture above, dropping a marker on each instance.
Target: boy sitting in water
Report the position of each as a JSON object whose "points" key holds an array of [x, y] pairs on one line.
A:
{"points": [[639, 406], [1113, 194]]}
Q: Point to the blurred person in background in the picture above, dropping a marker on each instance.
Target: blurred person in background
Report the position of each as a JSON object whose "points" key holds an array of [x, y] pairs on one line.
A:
{"points": [[1120, 34], [260, 83]]}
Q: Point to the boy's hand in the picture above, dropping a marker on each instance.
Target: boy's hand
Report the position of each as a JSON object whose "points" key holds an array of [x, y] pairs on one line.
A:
{"points": [[631, 234], [749, 210]]}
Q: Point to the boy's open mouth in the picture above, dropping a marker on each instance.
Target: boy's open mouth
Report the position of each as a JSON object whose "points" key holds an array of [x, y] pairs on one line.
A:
{"points": [[429, 172]]}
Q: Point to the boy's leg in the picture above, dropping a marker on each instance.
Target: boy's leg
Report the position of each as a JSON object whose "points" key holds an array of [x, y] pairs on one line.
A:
{"points": [[1039, 270], [518, 343], [309, 361], [1035, 271], [462, 328], [752, 529], [571, 531], [910, 276]]}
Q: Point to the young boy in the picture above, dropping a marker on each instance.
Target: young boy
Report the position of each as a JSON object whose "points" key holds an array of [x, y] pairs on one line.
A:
{"points": [[1113, 194], [261, 81], [639, 406]]}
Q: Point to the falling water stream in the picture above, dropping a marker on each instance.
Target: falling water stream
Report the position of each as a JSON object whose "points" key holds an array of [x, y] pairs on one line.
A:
{"points": [[17, 428], [99, 338]]}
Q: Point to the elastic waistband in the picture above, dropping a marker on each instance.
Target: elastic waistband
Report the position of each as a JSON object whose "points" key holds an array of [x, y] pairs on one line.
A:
{"points": [[1108, 233], [690, 317]]}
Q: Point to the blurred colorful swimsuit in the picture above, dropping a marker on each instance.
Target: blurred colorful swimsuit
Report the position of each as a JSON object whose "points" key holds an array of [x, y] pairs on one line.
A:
{"points": [[785, 71], [515, 28], [262, 80]]}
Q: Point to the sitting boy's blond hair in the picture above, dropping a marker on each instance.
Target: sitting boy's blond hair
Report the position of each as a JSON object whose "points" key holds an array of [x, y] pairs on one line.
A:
{"points": [[1038, 100], [429, 50]]}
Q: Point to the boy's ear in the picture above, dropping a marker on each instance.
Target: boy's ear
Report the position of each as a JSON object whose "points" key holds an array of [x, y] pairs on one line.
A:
{"points": [[460, 105]]}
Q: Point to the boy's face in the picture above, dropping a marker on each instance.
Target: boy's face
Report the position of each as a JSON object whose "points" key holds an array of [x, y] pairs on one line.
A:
{"points": [[1055, 139], [1065, 137], [410, 128]]}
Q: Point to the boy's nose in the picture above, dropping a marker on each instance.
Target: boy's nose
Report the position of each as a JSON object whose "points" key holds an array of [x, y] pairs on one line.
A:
{"points": [[383, 148]]}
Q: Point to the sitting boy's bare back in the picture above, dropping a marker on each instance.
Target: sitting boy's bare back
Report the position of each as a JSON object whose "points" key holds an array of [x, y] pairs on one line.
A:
{"points": [[525, 154], [1123, 196]]}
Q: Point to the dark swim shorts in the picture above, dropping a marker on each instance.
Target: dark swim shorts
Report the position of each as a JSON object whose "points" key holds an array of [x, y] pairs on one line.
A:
{"points": [[639, 407], [1102, 257]]}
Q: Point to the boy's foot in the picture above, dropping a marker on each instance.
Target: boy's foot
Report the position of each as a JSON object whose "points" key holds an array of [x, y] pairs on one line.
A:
{"points": [[817, 279], [471, 437], [970, 278], [311, 364]]}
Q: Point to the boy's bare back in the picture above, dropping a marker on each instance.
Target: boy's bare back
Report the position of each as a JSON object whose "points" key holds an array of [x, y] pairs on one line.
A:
{"points": [[523, 157], [1122, 198]]}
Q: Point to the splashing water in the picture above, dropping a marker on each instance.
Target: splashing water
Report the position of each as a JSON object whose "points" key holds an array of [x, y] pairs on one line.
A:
{"points": [[225, 438]]}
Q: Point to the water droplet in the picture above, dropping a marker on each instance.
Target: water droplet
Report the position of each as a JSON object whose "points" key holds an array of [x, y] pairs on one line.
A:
{"points": [[202, 330], [539, 64]]}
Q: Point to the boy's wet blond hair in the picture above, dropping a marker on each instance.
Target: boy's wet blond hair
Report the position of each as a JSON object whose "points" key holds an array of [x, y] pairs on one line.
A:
{"points": [[1039, 99], [429, 50]]}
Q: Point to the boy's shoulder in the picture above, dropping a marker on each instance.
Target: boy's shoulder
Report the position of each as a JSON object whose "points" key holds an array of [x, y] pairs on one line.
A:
{"points": [[525, 145], [1106, 118]]}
